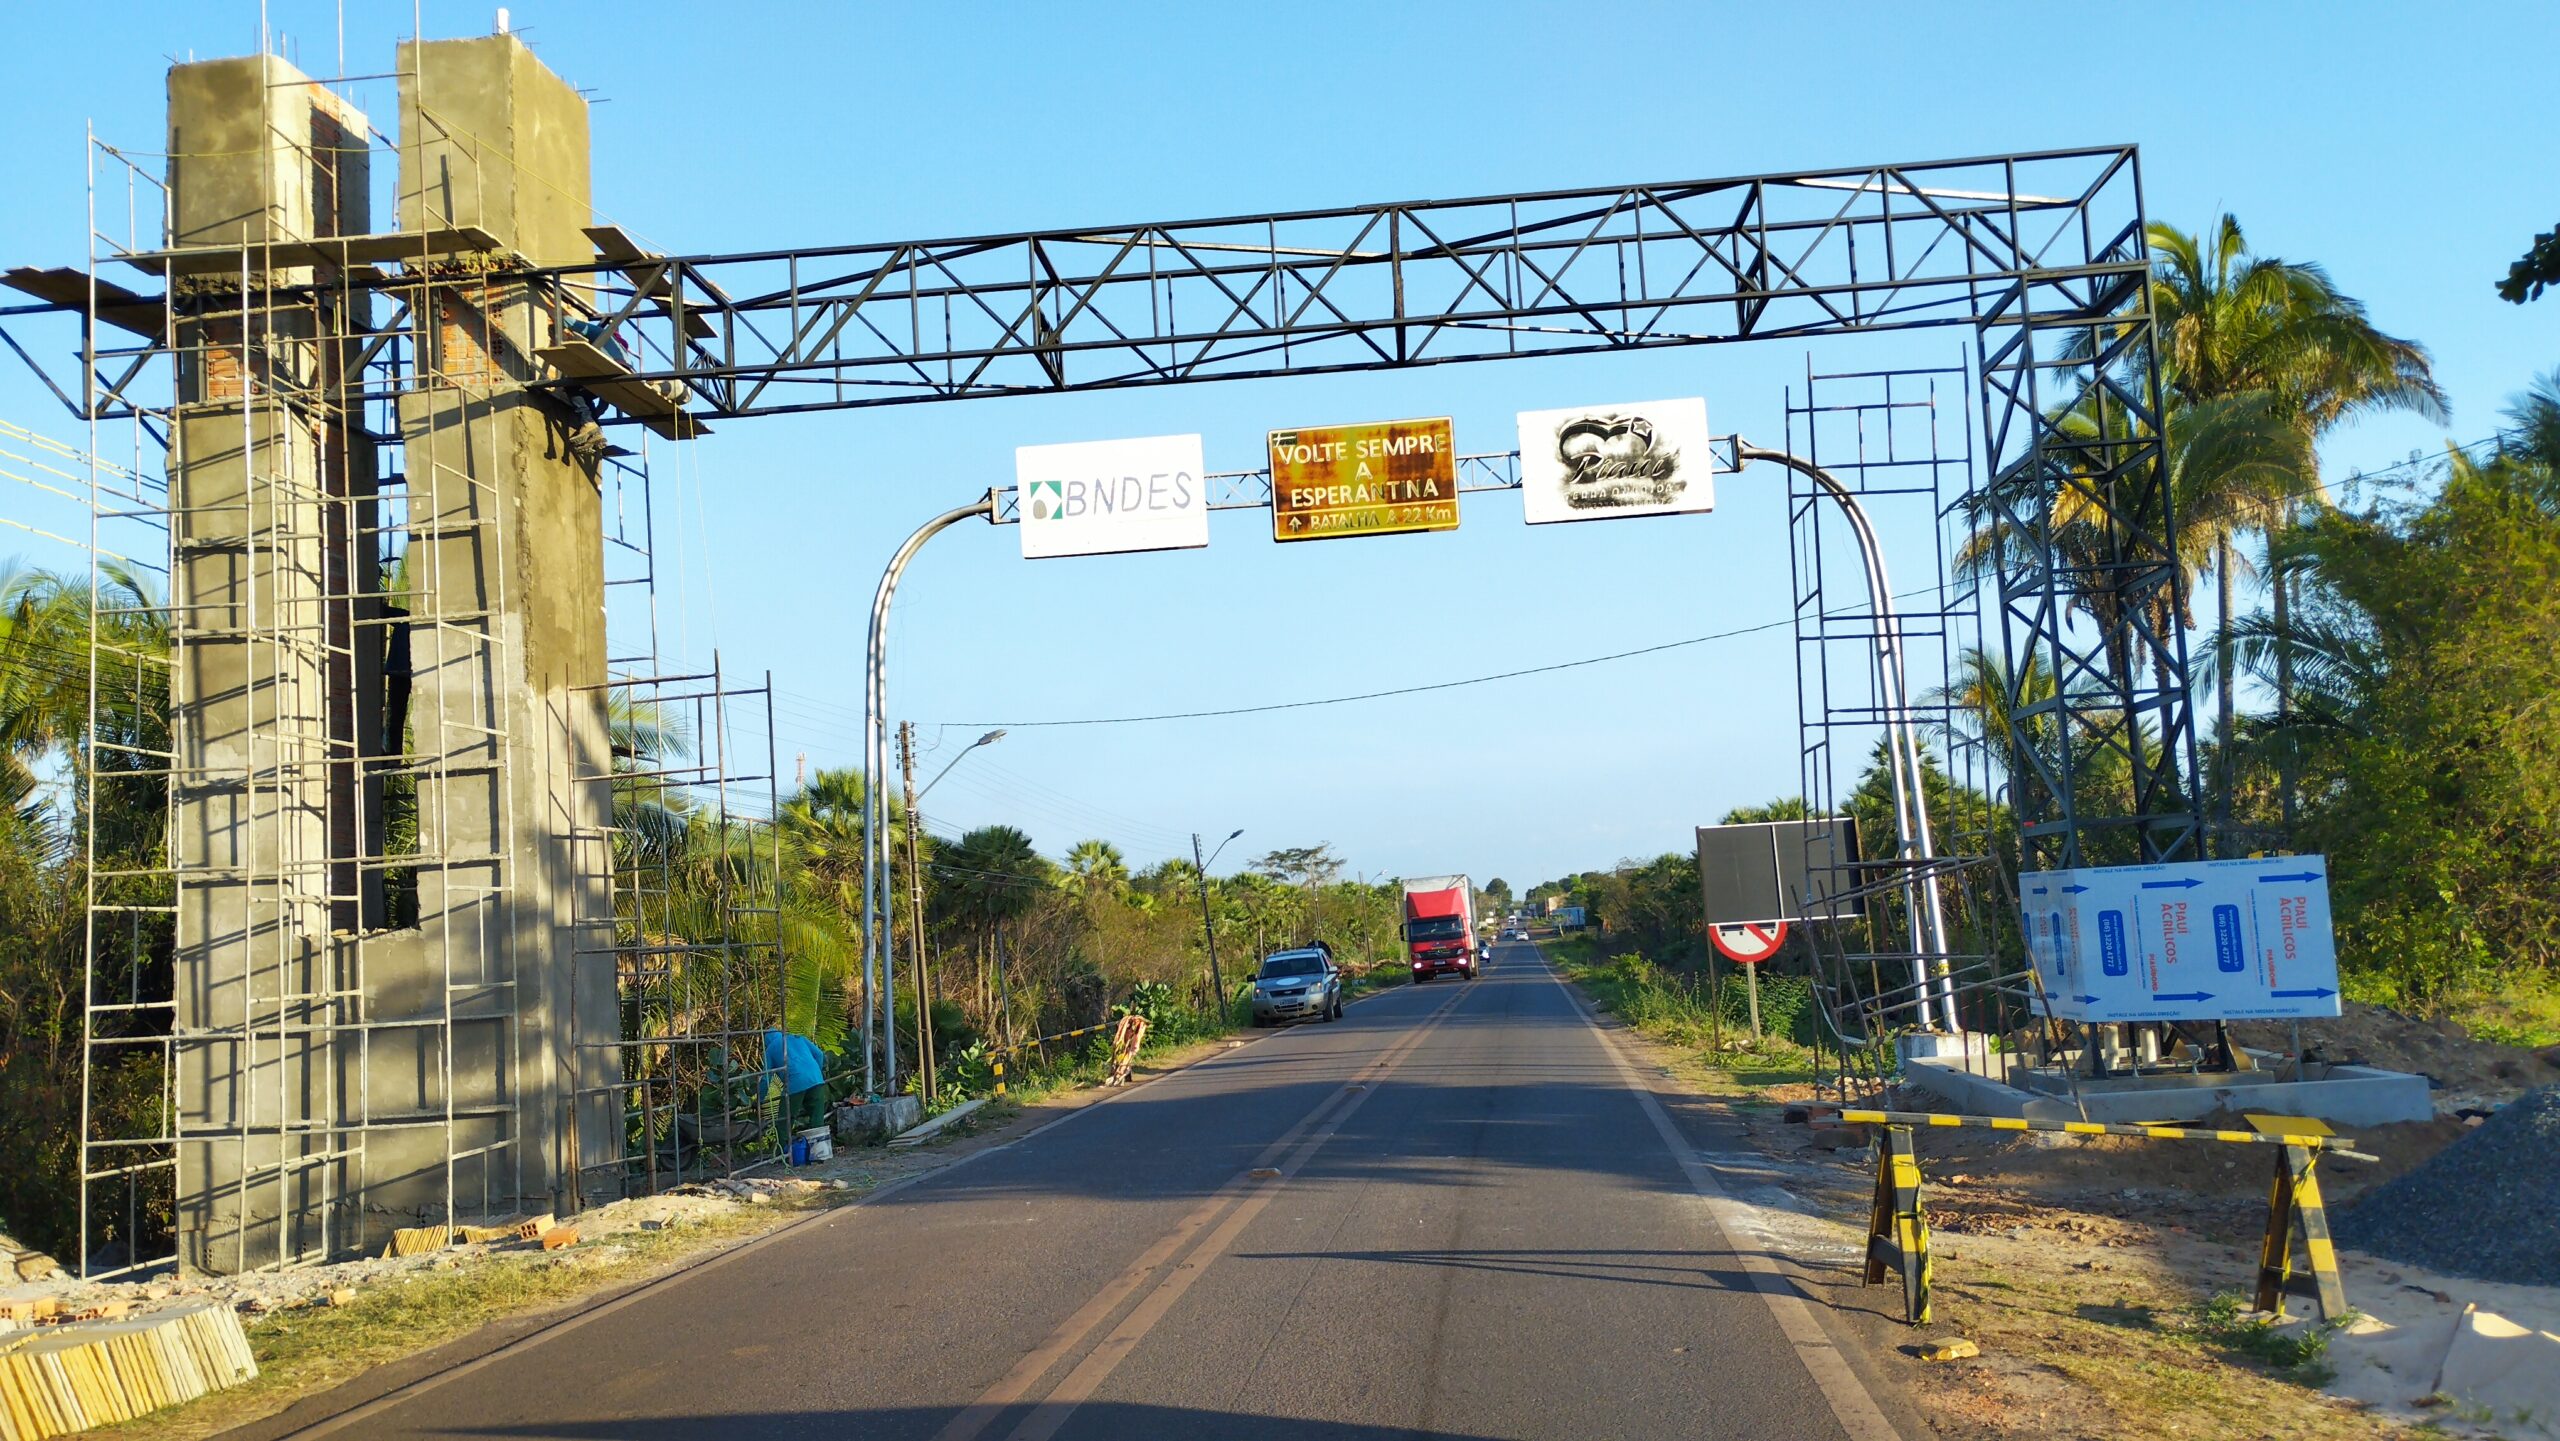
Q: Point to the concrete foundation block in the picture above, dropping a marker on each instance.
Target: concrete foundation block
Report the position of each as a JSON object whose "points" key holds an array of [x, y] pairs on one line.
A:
{"points": [[2347, 1096], [877, 1121]]}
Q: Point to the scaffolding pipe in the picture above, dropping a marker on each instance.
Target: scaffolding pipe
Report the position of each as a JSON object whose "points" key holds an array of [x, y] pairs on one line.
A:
{"points": [[1913, 841], [879, 987]]}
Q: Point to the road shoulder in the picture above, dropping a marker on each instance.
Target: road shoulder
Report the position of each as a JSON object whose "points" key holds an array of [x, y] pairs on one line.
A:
{"points": [[325, 1366], [2089, 1322], [1846, 1360]]}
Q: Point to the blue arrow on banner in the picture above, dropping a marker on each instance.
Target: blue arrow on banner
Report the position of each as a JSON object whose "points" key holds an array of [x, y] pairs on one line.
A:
{"points": [[2073, 890], [2086, 1000], [2039, 890], [2182, 995], [2320, 993], [2302, 876], [2190, 883]]}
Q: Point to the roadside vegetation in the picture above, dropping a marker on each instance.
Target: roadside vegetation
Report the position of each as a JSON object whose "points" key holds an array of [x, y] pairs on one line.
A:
{"points": [[1707, 1020]]}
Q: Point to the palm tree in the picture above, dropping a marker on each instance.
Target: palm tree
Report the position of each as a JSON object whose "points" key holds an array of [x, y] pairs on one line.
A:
{"points": [[46, 625], [2231, 463], [988, 877], [821, 826], [2231, 323], [1982, 703], [1096, 869]]}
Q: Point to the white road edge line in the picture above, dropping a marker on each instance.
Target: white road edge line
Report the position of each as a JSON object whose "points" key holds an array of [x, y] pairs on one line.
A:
{"points": [[1857, 1411]]}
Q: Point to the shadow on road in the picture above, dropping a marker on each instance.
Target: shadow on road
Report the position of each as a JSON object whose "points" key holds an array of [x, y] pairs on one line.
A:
{"points": [[1678, 1269], [1097, 1419], [1512, 1081]]}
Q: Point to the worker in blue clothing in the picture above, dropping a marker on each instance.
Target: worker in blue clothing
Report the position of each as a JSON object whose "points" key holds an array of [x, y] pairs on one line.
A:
{"points": [[797, 1062]]}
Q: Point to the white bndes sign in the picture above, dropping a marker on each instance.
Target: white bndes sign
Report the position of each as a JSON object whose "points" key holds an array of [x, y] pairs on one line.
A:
{"points": [[1098, 497], [1600, 462]]}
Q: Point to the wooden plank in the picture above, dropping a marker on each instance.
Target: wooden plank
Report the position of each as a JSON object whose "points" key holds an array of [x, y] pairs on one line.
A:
{"points": [[394, 246], [615, 247], [582, 361], [125, 309]]}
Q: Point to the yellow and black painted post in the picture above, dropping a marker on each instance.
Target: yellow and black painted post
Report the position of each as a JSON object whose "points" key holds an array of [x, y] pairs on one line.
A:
{"points": [[999, 1073], [2294, 1203], [1897, 1226]]}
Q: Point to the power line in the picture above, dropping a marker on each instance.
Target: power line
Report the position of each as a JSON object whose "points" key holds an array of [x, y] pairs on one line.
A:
{"points": [[1668, 645]]}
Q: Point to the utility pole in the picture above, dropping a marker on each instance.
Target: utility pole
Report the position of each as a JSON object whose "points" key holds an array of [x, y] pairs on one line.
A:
{"points": [[1208, 933], [915, 913]]}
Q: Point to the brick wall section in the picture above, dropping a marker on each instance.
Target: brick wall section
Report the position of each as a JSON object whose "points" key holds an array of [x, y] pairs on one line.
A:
{"points": [[470, 348]]}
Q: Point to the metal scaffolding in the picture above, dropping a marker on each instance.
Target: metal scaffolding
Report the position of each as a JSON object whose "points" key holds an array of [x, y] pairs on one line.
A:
{"points": [[1901, 443], [326, 785], [693, 940]]}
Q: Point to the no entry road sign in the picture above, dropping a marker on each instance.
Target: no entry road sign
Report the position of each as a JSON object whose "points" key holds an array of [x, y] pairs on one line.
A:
{"points": [[1749, 945]]}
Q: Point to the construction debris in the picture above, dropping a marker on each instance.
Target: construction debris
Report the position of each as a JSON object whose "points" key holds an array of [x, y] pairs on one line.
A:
{"points": [[417, 1241], [68, 1378], [23, 1263], [1956, 1350]]}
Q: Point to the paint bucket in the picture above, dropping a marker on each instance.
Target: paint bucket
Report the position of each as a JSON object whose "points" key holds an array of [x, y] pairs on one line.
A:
{"points": [[813, 1146]]}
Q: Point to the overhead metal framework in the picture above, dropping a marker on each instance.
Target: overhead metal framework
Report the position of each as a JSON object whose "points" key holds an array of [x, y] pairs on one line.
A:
{"points": [[2042, 255]]}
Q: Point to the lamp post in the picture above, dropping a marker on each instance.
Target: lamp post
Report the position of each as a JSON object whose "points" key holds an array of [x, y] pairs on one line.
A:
{"points": [[1915, 845], [880, 985], [1217, 982], [925, 1058]]}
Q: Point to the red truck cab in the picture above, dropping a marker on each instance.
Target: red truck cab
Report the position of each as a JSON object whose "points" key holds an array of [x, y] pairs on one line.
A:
{"points": [[1440, 927]]}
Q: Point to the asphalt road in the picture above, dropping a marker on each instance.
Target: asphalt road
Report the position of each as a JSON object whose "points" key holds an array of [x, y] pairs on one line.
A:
{"points": [[1455, 1213]]}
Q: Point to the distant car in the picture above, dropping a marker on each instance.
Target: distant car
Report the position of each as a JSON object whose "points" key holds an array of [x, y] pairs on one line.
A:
{"points": [[1297, 985]]}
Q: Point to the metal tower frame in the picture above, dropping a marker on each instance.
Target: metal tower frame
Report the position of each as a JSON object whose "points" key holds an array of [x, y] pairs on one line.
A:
{"points": [[2042, 255]]}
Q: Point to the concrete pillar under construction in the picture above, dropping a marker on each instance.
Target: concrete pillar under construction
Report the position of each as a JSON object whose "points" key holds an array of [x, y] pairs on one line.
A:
{"points": [[390, 709]]}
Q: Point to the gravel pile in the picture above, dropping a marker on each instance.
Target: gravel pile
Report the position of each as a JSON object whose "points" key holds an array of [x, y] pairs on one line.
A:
{"points": [[2487, 1206]]}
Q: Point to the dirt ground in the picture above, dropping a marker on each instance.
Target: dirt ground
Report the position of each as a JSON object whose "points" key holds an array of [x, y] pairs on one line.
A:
{"points": [[2100, 1276]]}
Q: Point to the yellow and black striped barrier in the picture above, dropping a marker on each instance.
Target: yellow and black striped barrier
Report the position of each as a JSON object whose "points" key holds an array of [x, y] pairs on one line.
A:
{"points": [[1060, 1036], [1898, 1229], [1004, 1051], [2317, 1140]]}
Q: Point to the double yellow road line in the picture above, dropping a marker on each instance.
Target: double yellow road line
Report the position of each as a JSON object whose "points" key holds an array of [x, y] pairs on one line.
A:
{"points": [[1167, 1269]]}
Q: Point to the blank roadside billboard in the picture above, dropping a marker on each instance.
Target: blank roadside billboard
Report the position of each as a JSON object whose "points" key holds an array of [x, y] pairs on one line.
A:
{"points": [[1777, 870]]}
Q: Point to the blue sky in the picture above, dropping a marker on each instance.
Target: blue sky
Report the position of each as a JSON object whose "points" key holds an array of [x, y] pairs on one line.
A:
{"points": [[2407, 148]]}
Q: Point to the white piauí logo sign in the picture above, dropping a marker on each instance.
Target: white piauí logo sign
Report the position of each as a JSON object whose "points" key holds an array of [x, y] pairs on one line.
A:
{"points": [[1097, 497], [1600, 462]]}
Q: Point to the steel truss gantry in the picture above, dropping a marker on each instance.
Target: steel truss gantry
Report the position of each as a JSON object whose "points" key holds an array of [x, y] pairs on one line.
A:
{"points": [[2042, 255]]}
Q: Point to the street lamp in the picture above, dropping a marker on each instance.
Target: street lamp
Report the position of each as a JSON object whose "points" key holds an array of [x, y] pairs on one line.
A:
{"points": [[1914, 843], [925, 1060], [1216, 981], [878, 961], [990, 738]]}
